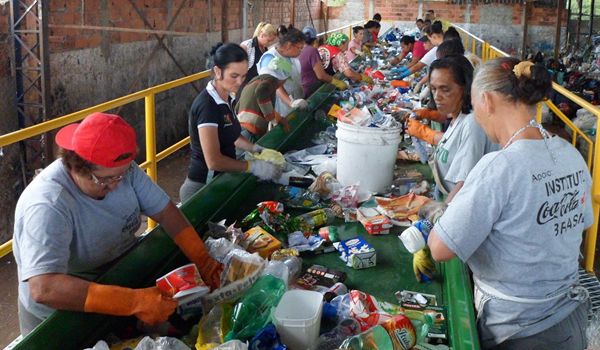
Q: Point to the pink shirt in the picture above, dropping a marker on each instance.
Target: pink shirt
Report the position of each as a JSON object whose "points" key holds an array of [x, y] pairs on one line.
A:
{"points": [[350, 55]]}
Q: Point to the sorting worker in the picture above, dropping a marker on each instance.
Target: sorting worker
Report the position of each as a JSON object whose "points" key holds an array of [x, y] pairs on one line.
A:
{"points": [[313, 73], [283, 57], [409, 45], [435, 33], [255, 107], [214, 128], [80, 214], [334, 59], [371, 33], [355, 45], [264, 36], [461, 146], [518, 220]]}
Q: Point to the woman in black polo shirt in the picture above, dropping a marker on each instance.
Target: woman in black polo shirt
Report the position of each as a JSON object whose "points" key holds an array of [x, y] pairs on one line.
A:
{"points": [[214, 127]]}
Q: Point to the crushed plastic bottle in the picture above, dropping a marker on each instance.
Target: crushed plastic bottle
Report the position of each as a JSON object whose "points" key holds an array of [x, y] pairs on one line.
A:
{"points": [[420, 145], [308, 222], [397, 333], [334, 338]]}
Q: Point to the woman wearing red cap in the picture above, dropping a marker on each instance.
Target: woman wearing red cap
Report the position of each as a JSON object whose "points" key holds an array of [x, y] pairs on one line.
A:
{"points": [[81, 213]]}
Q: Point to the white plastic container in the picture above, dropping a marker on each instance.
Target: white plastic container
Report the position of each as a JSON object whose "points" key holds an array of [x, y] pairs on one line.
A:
{"points": [[366, 156], [297, 318]]}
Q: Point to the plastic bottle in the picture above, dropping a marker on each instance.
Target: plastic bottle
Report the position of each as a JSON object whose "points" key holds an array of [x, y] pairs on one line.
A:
{"points": [[332, 339], [397, 333], [420, 146], [308, 222], [253, 311]]}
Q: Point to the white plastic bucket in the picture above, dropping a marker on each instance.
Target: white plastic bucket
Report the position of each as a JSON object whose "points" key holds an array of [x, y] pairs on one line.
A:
{"points": [[366, 156], [297, 318]]}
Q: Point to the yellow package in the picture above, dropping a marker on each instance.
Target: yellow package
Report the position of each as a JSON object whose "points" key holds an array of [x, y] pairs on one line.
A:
{"points": [[257, 240]]}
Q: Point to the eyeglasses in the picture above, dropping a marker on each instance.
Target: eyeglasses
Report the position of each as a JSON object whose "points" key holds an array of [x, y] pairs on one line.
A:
{"points": [[109, 180]]}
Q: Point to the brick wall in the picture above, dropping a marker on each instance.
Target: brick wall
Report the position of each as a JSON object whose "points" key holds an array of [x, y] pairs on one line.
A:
{"points": [[407, 10]]}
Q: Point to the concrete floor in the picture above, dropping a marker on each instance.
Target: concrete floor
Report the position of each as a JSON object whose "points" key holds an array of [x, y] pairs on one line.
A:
{"points": [[171, 173]]}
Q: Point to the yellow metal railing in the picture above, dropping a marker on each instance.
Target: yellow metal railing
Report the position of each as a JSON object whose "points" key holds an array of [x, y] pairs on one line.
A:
{"points": [[148, 95], [486, 52]]}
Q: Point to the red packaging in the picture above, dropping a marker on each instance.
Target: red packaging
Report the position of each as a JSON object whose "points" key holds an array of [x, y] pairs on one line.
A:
{"points": [[182, 281]]}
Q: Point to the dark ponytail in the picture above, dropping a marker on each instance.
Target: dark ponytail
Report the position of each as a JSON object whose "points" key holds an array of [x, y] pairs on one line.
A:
{"points": [[223, 54], [290, 35]]}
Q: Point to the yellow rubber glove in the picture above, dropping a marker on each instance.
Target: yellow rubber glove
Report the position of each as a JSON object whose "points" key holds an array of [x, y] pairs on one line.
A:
{"points": [[421, 131], [367, 79], [147, 304], [423, 264], [339, 84], [367, 51], [192, 246]]}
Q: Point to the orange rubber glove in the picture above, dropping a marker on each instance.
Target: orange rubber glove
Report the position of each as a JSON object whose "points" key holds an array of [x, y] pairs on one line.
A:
{"points": [[430, 114], [421, 131], [192, 246], [147, 304]]}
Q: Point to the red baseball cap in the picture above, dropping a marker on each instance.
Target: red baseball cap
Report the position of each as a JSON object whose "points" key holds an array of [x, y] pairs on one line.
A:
{"points": [[102, 139]]}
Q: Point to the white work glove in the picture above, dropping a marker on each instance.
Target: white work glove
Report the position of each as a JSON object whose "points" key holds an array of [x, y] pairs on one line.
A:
{"points": [[415, 237], [299, 103], [264, 170]]}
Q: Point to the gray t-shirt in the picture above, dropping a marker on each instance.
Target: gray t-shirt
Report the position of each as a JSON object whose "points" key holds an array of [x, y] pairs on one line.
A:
{"points": [[461, 147], [517, 223], [59, 229]]}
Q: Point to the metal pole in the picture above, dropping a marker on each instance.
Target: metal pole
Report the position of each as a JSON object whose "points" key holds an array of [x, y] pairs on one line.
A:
{"points": [[592, 20], [524, 21], [224, 29], [244, 20], [151, 142], [293, 14], [43, 7], [561, 4], [568, 39], [578, 32]]}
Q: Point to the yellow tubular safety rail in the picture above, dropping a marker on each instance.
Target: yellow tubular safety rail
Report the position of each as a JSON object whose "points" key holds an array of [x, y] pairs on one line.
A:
{"points": [[593, 146], [152, 158]]}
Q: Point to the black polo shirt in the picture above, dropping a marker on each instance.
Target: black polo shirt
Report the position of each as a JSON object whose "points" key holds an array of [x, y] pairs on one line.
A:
{"points": [[210, 111]]}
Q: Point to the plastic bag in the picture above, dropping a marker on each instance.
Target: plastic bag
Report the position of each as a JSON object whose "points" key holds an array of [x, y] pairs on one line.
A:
{"points": [[370, 312], [213, 326], [253, 311], [593, 332], [232, 345], [162, 343], [242, 269], [100, 345]]}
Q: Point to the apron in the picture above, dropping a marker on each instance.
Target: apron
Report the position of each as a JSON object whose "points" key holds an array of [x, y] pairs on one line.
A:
{"points": [[433, 161], [483, 293]]}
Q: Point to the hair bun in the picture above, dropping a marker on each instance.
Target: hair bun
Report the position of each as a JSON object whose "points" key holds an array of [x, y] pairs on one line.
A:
{"points": [[214, 49], [534, 84]]}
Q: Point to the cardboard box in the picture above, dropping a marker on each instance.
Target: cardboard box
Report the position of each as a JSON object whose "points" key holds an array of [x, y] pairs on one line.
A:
{"points": [[257, 240], [357, 253], [373, 221]]}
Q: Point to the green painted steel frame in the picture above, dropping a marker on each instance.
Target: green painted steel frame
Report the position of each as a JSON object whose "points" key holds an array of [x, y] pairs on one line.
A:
{"points": [[156, 254]]}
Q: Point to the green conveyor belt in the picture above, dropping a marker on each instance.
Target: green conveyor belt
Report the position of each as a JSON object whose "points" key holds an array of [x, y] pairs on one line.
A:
{"points": [[232, 195]]}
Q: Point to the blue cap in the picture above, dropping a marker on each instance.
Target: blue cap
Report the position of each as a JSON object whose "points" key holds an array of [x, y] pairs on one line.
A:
{"points": [[309, 32]]}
